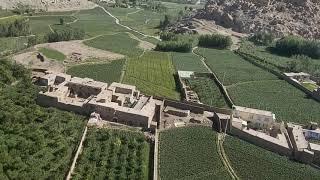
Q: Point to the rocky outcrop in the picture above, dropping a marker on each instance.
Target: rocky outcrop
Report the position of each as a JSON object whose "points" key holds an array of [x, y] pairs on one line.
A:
{"points": [[49, 5], [282, 17]]}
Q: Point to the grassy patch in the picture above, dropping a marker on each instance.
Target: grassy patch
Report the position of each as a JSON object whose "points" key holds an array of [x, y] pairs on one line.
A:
{"points": [[310, 86], [153, 74], [52, 54], [252, 162], [106, 72], [120, 43], [286, 101], [231, 68], [208, 91], [190, 153], [188, 62], [12, 44], [5, 13], [113, 154]]}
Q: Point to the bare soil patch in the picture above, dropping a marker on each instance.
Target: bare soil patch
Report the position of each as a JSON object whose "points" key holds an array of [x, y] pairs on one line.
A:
{"points": [[143, 44]]}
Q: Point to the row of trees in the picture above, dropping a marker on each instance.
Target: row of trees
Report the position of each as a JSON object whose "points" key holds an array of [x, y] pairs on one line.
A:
{"points": [[177, 46], [18, 27], [66, 34], [215, 41], [293, 45]]}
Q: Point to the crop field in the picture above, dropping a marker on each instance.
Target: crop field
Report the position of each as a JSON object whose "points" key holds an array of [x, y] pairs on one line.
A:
{"points": [[12, 44], [153, 74], [40, 24], [286, 101], [188, 62], [208, 92], [113, 154], [120, 43], [52, 54], [190, 153], [252, 162], [105, 72], [231, 69], [96, 22], [5, 13]]}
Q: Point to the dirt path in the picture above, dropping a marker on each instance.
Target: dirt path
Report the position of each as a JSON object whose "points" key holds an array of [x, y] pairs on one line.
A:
{"points": [[127, 27], [77, 154]]}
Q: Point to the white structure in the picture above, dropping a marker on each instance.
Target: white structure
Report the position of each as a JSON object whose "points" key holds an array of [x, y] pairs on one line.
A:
{"points": [[255, 118]]}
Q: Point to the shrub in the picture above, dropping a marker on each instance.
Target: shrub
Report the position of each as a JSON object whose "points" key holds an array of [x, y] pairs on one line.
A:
{"points": [[18, 27], [177, 46], [168, 36], [293, 45], [215, 41], [65, 34], [262, 38]]}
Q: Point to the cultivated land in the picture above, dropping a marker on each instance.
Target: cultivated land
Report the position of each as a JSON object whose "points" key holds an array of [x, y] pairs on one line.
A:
{"points": [[120, 43], [113, 154], [208, 91], [231, 68], [188, 62], [286, 101], [52, 54], [153, 74], [190, 153], [252, 162], [40, 25], [12, 44], [105, 72]]}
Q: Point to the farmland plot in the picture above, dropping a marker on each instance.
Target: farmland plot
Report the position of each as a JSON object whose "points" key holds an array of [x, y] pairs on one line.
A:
{"points": [[12, 44], [190, 153], [286, 101], [187, 62], [231, 68], [53, 54], [252, 162], [120, 43], [105, 72], [208, 92], [153, 74], [113, 154]]}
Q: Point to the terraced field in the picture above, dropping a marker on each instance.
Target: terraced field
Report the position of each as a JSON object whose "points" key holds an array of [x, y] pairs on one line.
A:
{"points": [[120, 43], [105, 72], [252, 162], [153, 74], [188, 62], [113, 154], [190, 153], [231, 68], [40, 24]]}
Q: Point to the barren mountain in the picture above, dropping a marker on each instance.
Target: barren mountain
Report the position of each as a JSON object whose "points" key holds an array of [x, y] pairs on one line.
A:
{"points": [[299, 17], [49, 5]]}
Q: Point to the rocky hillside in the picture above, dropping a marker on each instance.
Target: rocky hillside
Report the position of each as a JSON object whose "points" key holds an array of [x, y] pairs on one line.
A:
{"points": [[299, 17], [49, 5]]}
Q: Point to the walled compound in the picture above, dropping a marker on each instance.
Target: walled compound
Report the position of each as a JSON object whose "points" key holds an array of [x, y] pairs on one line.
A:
{"points": [[260, 127], [121, 103]]}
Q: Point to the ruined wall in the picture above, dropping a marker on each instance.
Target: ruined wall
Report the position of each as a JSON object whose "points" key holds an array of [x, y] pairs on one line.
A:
{"points": [[132, 119], [261, 142]]}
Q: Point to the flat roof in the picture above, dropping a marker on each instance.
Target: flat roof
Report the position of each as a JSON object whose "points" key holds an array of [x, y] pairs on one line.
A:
{"points": [[314, 147], [125, 86], [296, 74], [87, 82], [185, 74], [253, 111]]}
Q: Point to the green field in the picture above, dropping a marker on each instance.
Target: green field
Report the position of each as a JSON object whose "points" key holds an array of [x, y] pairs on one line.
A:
{"points": [[188, 62], [153, 74], [105, 72], [231, 68], [310, 86], [96, 22], [190, 153], [5, 13], [252, 162], [52, 54], [120, 43], [12, 44], [286, 101], [40, 24], [208, 91], [113, 154]]}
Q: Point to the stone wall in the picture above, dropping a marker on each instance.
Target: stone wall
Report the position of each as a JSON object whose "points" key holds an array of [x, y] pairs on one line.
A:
{"points": [[261, 142]]}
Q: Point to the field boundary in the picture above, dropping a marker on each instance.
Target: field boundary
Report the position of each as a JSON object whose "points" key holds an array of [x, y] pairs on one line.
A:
{"points": [[220, 85]]}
